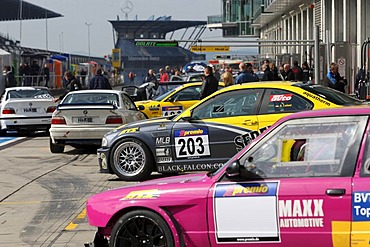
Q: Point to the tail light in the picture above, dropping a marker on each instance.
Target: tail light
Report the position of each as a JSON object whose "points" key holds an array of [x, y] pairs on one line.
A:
{"points": [[8, 111], [58, 120], [114, 120], [51, 109]]}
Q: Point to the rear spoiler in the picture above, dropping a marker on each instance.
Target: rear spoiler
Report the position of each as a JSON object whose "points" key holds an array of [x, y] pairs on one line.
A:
{"points": [[83, 106]]}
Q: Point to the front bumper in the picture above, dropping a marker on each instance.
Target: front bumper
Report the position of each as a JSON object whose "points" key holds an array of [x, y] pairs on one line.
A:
{"points": [[103, 158]]}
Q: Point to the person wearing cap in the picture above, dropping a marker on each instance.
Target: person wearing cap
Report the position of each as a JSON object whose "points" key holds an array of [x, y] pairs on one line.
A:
{"points": [[210, 83], [246, 74]]}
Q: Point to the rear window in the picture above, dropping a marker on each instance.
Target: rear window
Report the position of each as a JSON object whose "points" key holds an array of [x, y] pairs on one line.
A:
{"points": [[30, 94], [92, 98], [331, 95]]}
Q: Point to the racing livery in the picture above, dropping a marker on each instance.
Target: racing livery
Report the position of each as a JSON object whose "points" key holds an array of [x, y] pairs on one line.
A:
{"points": [[173, 102], [207, 134], [260, 197]]}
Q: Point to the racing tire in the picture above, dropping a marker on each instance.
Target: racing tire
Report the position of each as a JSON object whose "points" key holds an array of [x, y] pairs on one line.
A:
{"points": [[141, 228], [131, 160], [54, 148]]}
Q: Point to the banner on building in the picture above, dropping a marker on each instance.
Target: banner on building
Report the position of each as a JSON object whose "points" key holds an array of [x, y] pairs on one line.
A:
{"points": [[116, 58]]}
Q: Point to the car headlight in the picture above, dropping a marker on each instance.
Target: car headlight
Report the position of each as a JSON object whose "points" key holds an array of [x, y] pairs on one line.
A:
{"points": [[104, 142]]}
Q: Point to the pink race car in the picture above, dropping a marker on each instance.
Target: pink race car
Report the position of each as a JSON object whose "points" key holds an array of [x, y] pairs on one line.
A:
{"points": [[304, 182]]}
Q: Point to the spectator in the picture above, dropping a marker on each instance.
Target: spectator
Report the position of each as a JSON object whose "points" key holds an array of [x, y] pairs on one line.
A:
{"points": [[216, 73], [305, 72], [246, 74], [267, 74], [297, 71], [35, 69], [334, 80], [71, 84], [99, 81], [275, 72], [168, 71], [227, 78], [150, 77], [9, 77], [287, 73], [131, 77], [210, 83], [83, 74], [164, 76], [46, 75]]}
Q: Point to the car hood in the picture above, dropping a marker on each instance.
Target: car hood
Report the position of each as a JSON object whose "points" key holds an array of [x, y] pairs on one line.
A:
{"points": [[145, 122], [184, 185]]}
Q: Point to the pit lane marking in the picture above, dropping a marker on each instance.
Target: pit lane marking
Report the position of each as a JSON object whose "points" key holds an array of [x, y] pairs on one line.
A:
{"points": [[74, 223], [7, 140]]}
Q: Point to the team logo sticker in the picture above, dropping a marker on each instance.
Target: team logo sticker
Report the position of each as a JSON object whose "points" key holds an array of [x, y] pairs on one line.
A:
{"points": [[280, 97]]}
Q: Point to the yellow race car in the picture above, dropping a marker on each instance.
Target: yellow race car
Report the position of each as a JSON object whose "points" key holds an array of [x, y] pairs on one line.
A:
{"points": [[172, 102]]}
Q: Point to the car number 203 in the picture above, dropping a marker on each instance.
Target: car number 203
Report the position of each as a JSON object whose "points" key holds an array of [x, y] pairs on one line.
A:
{"points": [[194, 144]]}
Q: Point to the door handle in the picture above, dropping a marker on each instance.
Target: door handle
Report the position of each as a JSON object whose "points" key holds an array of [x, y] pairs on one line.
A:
{"points": [[250, 122], [335, 192]]}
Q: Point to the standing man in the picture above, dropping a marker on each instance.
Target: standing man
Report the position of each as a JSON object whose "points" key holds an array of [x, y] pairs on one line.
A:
{"points": [[210, 83], [334, 80], [99, 81], [246, 74], [287, 73], [46, 75]]}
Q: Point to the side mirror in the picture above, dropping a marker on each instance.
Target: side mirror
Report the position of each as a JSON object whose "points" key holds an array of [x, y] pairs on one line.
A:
{"points": [[233, 169], [171, 99]]}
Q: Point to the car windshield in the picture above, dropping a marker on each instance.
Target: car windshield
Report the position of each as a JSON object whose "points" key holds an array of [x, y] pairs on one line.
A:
{"points": [[30, 94], [332, 95], [92, 98]]}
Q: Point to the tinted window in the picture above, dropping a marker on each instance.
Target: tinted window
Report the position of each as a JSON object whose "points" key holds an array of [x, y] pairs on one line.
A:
{"points": [[29, 94], [189, 93], [91, 98], [277, 100], [230, 104], [331, 95], [312, 148]]}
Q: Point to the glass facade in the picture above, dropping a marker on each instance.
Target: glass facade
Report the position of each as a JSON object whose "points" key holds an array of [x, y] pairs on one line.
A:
{"points": [[237, 16]]}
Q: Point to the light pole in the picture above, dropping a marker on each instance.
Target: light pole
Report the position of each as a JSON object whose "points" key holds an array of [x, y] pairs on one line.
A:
{"points": [[88, 24]]}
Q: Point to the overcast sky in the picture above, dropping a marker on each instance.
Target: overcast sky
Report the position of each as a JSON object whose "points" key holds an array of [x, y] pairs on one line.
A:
{"points": [[70, 33]]}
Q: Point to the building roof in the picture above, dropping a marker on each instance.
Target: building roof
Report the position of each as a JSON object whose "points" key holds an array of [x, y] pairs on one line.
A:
{"points": [[10, 11], [156, 26]]}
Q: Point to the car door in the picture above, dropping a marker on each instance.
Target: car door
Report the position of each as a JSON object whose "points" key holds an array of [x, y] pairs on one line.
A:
{"points": [[296, 187], [212, 135], [278, 103], [180, 100], [360, 223]]}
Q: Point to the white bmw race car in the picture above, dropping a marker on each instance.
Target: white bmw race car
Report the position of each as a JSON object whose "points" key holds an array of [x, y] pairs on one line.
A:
{"points": [[26, 109], [83, 117]]}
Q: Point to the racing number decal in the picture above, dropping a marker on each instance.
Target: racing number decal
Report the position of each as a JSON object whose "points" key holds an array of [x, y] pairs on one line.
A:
{"points": [[191, 143], [171, 110]]}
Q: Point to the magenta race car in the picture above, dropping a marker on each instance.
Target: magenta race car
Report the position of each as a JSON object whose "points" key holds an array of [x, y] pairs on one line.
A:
{"points": [[303, 182]]}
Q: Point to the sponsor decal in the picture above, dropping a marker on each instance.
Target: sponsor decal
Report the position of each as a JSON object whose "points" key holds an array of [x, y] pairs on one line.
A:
{"points": [[243, 140], [280, 97], [361, 206], [142, 194], [190, 167], [301, 213], [257, 200], [164, 160], [191, 143], [191, 132], [131, 130], [162, 140], [163, 152], [246, 189], [162, 126], [171, 110], [313, 96]]}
